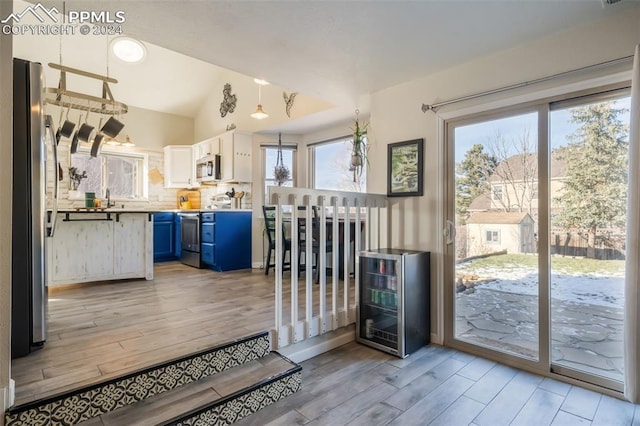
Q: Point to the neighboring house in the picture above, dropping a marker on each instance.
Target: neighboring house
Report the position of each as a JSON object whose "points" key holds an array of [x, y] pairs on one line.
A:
{"points": [[506, 217], [514, 184], [481, 203], [489, 232]]}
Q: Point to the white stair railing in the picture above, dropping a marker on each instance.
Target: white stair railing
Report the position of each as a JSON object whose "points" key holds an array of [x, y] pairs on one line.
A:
{"points": [[362, 213]]}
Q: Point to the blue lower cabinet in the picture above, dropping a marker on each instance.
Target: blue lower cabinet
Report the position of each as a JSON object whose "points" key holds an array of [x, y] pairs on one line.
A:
{"points": [[207, 254], [164, 230], [226, 240], [177, 252], [233, 241]]}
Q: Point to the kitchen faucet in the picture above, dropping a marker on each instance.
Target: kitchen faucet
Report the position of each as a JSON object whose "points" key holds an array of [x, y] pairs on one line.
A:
{"points": [[108, 195]]}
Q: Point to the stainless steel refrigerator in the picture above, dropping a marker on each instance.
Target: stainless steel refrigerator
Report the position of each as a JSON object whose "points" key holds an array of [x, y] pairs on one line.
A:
{"points": [[33, 135]]}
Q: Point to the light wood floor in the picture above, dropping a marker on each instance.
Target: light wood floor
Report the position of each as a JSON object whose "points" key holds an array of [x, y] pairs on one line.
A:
{"points": [[357, 385], [103, 330]]}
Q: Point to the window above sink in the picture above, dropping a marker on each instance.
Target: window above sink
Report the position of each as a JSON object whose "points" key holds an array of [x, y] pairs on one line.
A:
{"points": [[124, 173]]}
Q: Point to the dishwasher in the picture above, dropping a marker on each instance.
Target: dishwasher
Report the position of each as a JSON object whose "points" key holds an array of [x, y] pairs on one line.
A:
{"points": [[190, 239]]}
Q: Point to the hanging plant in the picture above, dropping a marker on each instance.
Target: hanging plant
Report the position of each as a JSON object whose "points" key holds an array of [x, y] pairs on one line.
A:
{"points": [[280, 171], [359, 149]]}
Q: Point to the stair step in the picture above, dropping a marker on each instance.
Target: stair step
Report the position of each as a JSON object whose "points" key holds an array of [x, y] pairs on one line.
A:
{"points": [[79, 405], [202, 396]]}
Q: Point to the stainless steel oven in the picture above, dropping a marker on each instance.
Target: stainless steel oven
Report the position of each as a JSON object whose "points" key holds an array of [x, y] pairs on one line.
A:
{"points": [[190, 239]]}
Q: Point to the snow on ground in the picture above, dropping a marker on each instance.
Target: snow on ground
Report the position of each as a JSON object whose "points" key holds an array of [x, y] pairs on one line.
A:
{"points": [[594, 288]]}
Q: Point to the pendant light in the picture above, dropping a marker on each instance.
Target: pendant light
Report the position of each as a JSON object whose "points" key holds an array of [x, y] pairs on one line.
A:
{"points": [[127, 142], [260, 114]]}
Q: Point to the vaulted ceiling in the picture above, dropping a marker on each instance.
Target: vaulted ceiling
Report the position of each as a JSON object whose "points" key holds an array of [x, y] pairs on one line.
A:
{"points": [[334, 52]]}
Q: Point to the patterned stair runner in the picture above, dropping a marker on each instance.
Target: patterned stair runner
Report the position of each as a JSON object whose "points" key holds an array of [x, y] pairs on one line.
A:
{"points": [[73, 407]]}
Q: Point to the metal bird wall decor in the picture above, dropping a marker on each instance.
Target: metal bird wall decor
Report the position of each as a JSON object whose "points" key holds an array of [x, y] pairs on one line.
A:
{"points": [[288, 101], [228, 104]]}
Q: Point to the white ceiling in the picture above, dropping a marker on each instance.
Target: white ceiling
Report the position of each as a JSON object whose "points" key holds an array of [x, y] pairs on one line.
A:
{"points": [[339, 51]]}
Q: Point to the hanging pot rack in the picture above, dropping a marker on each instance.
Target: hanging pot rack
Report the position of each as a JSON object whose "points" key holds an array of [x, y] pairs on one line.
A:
{"points": [[82, 101]]}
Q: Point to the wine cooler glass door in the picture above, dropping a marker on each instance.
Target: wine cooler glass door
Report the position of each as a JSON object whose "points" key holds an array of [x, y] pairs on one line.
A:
{"points": [[380, 302]]}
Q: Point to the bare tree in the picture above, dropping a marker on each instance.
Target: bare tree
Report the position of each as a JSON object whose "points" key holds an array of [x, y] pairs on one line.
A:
{"points": [[517, 172]]}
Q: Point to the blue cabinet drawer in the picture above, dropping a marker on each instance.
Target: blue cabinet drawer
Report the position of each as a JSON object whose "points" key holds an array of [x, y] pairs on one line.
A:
{"points": [[207, 232], [207, 253], [208, 217], [163, 217]]}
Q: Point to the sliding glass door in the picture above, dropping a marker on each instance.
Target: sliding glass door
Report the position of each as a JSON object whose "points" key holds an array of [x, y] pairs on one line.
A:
{"points": [[496, 260], [536, 211], [588, 202]]}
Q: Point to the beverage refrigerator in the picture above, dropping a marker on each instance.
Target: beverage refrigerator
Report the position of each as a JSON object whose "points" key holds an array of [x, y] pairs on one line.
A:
{"points": [[33, 135], [394, 300]]}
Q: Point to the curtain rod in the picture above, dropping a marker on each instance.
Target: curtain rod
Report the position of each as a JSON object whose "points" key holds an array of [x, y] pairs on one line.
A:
{"points": [[433, 107]]}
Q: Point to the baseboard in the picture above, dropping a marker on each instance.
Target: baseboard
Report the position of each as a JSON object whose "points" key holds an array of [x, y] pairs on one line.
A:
{"points": [[320, 344], [7, 398], [257, 265], [4, 403]]}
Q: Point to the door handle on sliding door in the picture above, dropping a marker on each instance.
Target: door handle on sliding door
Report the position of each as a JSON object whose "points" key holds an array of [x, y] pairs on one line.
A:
{"points": [[449, 232]]}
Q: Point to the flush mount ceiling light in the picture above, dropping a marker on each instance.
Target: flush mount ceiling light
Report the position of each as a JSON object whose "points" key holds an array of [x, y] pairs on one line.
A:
{"points": [[260, 114], [128, 49]]}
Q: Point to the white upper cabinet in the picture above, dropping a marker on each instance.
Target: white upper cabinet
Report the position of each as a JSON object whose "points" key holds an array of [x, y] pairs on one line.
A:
{"points": [[179, 166], [236, 157], [207, 147]]}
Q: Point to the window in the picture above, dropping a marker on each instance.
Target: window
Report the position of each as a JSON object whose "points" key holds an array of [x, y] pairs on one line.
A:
{"points": [[331, 167], [497, 192], [492, 237], [122, 172], [270, 159]]}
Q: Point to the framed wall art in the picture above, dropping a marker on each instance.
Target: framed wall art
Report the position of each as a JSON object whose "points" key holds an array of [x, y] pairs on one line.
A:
{"points": [[404, 168]]}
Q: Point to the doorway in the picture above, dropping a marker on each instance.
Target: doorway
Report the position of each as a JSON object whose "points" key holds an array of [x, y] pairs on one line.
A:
{"points": [[536, 199]]}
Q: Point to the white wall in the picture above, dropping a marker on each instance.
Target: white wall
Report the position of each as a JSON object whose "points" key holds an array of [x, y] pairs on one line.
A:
{"points": [[6, 156], [209, 123], [416, 223], [153, 130]]}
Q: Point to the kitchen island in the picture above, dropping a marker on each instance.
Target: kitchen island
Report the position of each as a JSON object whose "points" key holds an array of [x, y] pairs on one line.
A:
{"points": [[110, 244]]}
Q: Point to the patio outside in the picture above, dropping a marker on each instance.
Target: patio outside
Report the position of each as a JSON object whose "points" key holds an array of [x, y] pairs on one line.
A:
{"points": [[496, 306]]}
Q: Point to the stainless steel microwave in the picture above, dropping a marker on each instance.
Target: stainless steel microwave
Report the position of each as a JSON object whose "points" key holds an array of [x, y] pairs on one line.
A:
{"points": [[208, 169]]}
